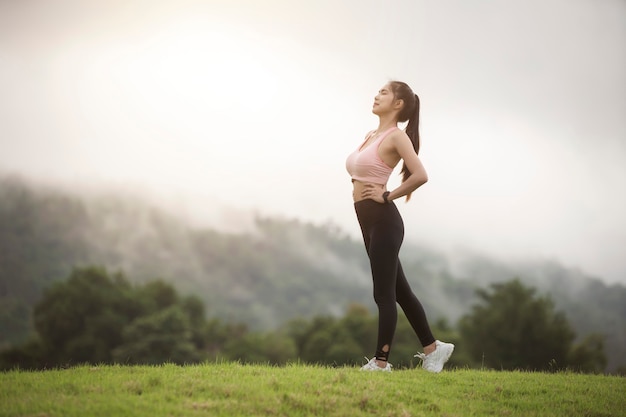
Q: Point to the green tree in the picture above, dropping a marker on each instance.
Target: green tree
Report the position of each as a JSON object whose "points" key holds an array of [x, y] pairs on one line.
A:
{"points": [[334, 341], [194, 309], [94, 317], [14, 321], [512, 328], [164, 336], [81, 319], [29, 355], [157, 295], [315, 339], [274, 348], [588, 355], [216, 335]]}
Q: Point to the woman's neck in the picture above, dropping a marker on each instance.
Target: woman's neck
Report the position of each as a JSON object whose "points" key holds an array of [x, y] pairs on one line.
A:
{"points": [[386, 122]]}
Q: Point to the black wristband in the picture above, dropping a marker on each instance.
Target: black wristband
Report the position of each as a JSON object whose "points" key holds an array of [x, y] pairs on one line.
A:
{"points": [[385, 195]]}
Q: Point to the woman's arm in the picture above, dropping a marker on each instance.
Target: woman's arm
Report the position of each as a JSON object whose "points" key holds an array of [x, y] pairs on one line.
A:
{"points": [[418, 177]]}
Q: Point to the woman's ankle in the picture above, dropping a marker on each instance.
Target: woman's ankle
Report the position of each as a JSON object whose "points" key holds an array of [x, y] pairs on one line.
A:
{"points": [[430, 348], [382, 355]]}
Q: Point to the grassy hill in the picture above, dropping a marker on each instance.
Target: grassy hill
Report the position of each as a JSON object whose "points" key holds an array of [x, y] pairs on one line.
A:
{"points": [[230, 389], [283, 269]]}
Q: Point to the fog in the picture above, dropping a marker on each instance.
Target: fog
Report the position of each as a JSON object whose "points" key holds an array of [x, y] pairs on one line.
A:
{"points": [[222, 109]]}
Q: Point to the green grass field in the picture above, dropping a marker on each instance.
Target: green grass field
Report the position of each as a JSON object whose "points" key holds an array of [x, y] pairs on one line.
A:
{"points": [[231, 389]]}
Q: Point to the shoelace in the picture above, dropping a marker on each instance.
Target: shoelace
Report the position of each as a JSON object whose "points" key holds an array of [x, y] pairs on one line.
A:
{"points": [[368, 361], [421, 356]]}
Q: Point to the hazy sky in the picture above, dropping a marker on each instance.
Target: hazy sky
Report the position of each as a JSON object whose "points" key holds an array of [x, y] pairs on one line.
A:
{"points": [[222, 107]]}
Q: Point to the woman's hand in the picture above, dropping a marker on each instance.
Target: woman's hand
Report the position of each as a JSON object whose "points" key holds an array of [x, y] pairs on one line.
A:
{"points": [[373, 192]]}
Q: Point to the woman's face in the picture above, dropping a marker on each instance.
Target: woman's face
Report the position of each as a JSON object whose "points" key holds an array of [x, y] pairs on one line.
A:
{"points": [[384, 101]]}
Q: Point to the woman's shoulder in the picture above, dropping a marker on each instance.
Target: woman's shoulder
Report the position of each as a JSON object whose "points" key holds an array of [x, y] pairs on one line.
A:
{"points": [[399, 135]]}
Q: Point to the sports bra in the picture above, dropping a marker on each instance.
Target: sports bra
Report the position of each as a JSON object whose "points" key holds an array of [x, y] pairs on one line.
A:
{"points": [[365, 165]]}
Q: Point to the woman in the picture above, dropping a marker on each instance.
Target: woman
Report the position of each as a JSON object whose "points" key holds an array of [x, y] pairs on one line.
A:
{"points": [[370, 166]]}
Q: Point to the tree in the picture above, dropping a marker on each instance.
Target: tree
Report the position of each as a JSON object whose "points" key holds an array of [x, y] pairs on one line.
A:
{"points": [[157, 295], [94, 317], [164, 336], [274, 348], [334, 341], [194, 309], [588, 355], [81, 319], [515, 329], [14, 321]]}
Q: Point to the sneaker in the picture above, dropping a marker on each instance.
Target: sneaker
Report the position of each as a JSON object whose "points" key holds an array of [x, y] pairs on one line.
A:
{"points": [[371, 365], [434, 361]]}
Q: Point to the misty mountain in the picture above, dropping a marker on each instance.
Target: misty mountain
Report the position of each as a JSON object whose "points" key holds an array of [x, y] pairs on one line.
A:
{"points": [[279, 270]]}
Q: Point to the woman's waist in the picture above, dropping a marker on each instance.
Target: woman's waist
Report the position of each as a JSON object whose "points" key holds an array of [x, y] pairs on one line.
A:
{"points": [[359, 186]]}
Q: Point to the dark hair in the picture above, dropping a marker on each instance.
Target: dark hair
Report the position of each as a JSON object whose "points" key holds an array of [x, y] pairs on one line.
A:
{"points": [[411, 112]]}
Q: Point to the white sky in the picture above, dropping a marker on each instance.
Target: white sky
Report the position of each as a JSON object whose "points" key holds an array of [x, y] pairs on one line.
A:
{"points": [[220, 107]]}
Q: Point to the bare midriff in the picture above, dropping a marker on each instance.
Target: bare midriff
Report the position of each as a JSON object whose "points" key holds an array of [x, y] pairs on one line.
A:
{"points": [[358, 188]]}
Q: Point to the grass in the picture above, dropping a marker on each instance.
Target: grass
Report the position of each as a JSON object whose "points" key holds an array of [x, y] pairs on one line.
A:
{"points": [[231, 389]]}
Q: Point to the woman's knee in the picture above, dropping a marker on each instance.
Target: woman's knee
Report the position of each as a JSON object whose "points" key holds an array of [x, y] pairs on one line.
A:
{"points": [[384, 298], [405, 297]]}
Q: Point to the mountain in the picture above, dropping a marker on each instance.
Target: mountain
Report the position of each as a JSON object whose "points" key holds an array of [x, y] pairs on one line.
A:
{"points": [[279, 270]]}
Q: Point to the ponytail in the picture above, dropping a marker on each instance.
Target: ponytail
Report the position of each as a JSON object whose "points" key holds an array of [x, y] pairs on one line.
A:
{"points": [[412, 131], [411, 112]]}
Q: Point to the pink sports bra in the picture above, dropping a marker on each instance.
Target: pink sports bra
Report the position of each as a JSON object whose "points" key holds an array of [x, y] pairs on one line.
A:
{"points": [[365, 165]]}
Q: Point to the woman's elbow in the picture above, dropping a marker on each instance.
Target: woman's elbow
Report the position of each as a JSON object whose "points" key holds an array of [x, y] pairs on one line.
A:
{"points": [[418, 180], [423, 179]]}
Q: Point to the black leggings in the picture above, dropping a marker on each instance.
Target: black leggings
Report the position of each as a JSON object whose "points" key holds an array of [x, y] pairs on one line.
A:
{"points": [[383, 232]]}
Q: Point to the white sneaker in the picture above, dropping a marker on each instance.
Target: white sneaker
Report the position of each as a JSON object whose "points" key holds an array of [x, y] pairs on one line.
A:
{"points": [[434, 361], [371, 365]]}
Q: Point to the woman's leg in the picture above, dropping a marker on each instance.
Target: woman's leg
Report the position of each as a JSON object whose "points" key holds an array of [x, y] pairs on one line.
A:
{"points": [[413, 309], [383, 232], [436, 353], [383, 253]]}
